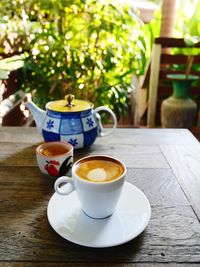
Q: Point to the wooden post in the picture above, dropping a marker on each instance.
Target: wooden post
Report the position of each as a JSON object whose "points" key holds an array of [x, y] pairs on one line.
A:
{"points": [[168, 18], [140, 95], [134, 99], [153, 85]]}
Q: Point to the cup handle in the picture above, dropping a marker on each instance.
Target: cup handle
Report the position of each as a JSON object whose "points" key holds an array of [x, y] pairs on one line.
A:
{"points": [[98, 117], [68, 190]]}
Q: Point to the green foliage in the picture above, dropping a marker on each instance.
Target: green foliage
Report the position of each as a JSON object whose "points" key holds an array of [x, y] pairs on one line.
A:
{"points": [[88, 48], [188, 26]]}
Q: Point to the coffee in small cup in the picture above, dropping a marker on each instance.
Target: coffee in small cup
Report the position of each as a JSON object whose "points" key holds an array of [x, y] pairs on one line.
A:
{"points": [[99, 169]]}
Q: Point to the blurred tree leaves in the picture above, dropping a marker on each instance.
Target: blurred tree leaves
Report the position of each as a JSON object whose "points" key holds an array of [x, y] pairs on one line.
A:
{"points": [[88, 48]]}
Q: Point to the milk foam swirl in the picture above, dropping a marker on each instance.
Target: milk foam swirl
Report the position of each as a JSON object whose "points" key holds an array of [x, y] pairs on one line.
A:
{"points": [[98, 175]]}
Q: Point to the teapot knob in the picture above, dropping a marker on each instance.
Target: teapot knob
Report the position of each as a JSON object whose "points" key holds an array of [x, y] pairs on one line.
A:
{"points": [[70, 99]]}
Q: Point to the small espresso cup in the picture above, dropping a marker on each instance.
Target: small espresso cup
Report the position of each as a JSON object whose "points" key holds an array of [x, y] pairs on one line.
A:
{"points": [[98, 182], [54, 158]]}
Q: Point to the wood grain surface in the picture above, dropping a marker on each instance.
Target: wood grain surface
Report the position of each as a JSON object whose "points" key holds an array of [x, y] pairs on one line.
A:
{"points": [[96, 264], [185, 162], [163, 163]]}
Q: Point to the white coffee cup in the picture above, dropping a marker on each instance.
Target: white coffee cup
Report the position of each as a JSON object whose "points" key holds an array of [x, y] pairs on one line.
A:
{"points": [[100, 193]]}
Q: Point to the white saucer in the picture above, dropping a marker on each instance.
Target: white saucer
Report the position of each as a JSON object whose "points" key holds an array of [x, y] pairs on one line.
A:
{"points": [[130, 218]]}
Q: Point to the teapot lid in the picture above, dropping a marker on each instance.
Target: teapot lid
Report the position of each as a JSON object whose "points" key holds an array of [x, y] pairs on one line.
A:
{"points": [[69, 104]]}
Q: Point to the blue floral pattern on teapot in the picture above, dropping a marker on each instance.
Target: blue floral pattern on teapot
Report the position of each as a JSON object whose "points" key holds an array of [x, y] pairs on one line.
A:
{"points": [[80, 128]]}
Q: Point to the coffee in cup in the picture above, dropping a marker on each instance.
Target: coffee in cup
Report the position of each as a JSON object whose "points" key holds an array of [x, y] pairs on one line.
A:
{"points": [[99, 169], [98, 181]]}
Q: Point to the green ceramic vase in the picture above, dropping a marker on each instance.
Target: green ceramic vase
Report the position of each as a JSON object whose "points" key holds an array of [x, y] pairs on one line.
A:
{"points": [[179, 110]]}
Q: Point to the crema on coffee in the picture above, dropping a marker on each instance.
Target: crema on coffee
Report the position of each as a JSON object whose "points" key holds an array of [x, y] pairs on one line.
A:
{"points": [[99, 169]]}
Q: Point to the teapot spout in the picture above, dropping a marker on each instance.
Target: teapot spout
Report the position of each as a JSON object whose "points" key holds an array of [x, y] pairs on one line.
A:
{"points": [[38, 114]]}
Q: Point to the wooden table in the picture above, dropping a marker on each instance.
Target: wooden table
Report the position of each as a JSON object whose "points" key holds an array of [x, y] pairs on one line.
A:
{"points": [[163, 163]]}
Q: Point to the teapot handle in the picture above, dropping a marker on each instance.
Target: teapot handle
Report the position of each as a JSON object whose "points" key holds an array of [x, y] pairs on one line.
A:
{"points": [[98, 117]]}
